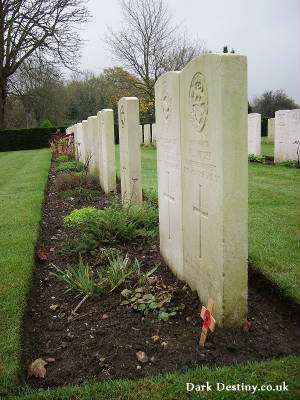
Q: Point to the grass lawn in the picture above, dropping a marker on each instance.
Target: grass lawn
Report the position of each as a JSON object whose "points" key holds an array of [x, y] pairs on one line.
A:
{"points": [[266, 149], [23, 178], [22, 182], [274, 237]]}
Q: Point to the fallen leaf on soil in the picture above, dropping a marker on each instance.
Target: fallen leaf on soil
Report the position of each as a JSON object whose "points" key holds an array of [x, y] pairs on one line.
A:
{"points": [[105, 316], [53, 307], [247, 327], [164, 344], [42, 254], [52, 249], [37, 369], [155, 338]]}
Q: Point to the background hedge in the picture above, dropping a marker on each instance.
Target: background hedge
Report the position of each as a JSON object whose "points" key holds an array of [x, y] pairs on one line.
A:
{"points": [[27, 139]]}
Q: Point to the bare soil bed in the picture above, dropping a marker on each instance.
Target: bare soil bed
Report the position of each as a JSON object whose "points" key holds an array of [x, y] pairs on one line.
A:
{"points": [[101, 341]]}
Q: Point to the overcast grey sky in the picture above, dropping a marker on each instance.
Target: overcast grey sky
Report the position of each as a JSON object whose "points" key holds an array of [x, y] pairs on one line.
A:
{"points": [[267, 31]]}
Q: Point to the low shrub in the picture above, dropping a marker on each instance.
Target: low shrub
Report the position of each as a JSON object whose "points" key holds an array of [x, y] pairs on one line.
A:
{"points": [[290, 164], [256, 158], [62, 158], [70, 166], [115, 224], [75, 180]]}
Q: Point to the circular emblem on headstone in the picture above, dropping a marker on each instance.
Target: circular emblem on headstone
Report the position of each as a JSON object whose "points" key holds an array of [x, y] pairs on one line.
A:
{"points": [[166, 107], [198, 100], [122, 116]]}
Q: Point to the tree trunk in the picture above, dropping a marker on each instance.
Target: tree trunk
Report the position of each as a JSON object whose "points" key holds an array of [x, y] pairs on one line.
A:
{"points": [[3, 96]]}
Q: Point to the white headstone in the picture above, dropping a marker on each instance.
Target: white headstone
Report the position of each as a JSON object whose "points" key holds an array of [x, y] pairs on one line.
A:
{"points": [[108, 151], [254, 134], [294, 135], [147, 135], [271, 130], [281, 135], [207, 159], [167, 114], [130, 152], [93, 145], [79, 142], [85, 140]]}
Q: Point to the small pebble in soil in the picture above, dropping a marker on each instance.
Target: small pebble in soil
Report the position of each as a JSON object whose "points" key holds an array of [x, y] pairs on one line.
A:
{"points": [[138, 367], [155, 338], [164, 344], [188, 319], [142, 356]]}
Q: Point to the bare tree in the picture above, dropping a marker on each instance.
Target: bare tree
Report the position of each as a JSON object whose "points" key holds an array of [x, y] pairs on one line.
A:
{"points": [[147, 41], [40, 28]]}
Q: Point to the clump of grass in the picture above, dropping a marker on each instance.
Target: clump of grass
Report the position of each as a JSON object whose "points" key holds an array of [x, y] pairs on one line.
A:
{"points": [[70, 166], [86, 194], [290, 164], [257, 158]]}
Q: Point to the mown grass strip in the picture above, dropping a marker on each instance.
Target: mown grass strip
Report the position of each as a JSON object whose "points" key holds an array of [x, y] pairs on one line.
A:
{"points": [[22, 183]]}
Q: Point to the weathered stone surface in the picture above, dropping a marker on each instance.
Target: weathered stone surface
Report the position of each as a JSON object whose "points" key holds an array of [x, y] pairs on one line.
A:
{"points": [[79, 145], [154, 134], [85, 141], [141, 133], [202, 179], [108, 168], [294, 134], [93, 138], [130, 152], [254, 134], [271, 130]]}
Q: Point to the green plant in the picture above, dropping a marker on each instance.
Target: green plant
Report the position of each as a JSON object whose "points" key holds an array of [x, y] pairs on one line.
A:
{"points": [[86, 194], [82, 215], [119, 269], [80, 278], [143, 276], [62, 158], [75, 180], [147, 302], [70, 166], [257, 158], [46, 124]]}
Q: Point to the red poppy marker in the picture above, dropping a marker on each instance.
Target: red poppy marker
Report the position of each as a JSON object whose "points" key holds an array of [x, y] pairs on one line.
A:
{"points": [[208, 321]]}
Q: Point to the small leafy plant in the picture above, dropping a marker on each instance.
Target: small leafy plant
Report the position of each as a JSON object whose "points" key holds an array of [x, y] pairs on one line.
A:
{"points": [[86, 194], [289, 164], [75, 180], [81, 216], [62, 158], [257, 158], [70, 166]]}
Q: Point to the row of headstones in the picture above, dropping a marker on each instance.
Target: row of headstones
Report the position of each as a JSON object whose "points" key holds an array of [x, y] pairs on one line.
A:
{"points": [[283, 131], [95, 146], [148, 134], [202, 165]]}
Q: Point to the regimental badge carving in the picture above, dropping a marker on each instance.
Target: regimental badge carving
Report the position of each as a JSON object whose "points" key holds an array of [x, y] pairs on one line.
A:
{"points": [[198, 100], [122, 116], [166, 107]]}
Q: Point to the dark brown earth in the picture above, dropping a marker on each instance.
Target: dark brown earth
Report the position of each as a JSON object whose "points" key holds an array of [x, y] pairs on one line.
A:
{"points": [[88, 347]]}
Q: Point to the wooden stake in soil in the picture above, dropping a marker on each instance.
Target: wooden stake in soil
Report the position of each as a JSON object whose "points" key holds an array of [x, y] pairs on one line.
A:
{"points": [[208, 321]]}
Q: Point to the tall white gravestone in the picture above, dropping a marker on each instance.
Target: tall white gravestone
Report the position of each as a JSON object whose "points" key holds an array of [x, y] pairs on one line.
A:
{"points": [[211, 170], [254, 133], [85, 141], [108, 150], [154, 134], [79, 142], [281, 135], [271, 130], [167, 112], [294, 134], [130, 152], [93, 145]]}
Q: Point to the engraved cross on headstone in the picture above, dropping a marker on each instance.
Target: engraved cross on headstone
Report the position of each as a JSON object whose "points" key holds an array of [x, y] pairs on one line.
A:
{"points": [[200, 213], [169, 199]]}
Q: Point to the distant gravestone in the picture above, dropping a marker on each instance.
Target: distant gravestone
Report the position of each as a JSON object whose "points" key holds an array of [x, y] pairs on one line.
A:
{"points": [[271, 130], [254, 134], [281, 136], [130, 152], [79, 142], [85, 140], [147, 135], [202, 179], [294, 134], [93, 145], [108, 168]]}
